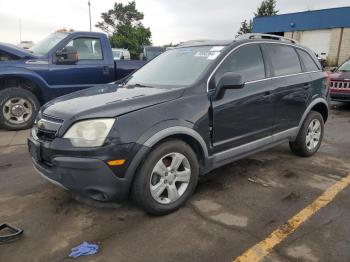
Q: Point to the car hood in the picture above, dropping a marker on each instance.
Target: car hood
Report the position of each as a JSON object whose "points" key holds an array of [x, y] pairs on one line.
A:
{"points": [[16, 51], [107, 101], [340, 76]]}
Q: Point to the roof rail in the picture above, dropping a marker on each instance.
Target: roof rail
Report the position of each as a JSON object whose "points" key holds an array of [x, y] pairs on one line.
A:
{"points": [[265, 36], [193, 42]]}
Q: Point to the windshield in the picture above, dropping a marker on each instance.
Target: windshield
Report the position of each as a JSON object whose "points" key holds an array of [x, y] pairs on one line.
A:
{"points": [[45, 45], [345, 67], [180, 66]]}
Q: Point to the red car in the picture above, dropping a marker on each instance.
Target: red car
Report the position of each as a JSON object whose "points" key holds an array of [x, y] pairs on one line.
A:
{"points": [[340, 83]]}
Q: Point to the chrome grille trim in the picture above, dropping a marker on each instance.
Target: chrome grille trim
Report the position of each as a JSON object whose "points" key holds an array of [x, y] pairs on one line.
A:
{"points": [[340, 84]]}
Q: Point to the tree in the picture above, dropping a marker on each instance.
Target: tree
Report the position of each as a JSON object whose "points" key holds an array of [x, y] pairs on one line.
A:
{"points": [[266, 8], [246, 27], [125, 29]]}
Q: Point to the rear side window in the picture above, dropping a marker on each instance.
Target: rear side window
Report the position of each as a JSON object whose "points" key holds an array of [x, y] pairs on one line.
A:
{"points": [[247, 61], [307, 60], [285, 60]]}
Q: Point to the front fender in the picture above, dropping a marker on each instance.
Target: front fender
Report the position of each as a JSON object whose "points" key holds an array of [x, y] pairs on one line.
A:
{"points": [[26, 74], [157, 133]]}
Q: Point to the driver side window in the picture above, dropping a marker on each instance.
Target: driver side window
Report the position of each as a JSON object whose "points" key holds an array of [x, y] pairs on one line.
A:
{"points": [[247, 61], [87, 48]]}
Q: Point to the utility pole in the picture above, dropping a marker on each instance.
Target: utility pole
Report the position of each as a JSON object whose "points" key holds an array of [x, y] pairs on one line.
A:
{"points": [[89, 14], [20, 30]]}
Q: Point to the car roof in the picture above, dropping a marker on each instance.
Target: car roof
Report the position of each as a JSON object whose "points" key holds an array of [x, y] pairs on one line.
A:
{"points": [[251, 37], [237, 41], [88, 33], [206, 43]]}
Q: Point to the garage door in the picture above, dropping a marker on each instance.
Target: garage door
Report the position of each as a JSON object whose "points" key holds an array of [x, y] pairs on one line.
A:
{"points": [[317, 40]]}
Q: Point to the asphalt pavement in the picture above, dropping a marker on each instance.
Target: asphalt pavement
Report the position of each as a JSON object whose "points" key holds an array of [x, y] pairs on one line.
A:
{"points": [[234, 208]]}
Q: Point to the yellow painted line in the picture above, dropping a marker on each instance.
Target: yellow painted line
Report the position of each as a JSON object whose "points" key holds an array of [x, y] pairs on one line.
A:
{"points": [[263, 248]]}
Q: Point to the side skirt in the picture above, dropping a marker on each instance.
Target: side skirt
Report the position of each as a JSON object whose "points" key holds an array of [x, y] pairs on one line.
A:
{"points": [[233, 154]]}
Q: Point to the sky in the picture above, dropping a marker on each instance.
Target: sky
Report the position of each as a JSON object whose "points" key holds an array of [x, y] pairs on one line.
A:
{"points": [[170, 20]]}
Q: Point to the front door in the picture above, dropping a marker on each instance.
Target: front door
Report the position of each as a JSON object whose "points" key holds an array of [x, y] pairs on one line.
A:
{"points": [[90, 69], [243, 115]]}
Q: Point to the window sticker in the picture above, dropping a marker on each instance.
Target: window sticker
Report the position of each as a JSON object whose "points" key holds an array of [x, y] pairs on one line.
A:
{"points": [[214, 56], [217, 48], [185, 50], [208, 54]]}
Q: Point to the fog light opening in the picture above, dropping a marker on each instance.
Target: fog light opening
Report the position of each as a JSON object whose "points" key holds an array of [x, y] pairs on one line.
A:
{"points": [[98, 195]]}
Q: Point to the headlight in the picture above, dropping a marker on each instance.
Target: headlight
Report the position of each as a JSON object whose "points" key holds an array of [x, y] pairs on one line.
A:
{"points": [[89, 133]]}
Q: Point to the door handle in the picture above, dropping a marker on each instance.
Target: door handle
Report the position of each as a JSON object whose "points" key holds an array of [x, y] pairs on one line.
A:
{"points": [[105, 70], [307, 85], [267, 93]]}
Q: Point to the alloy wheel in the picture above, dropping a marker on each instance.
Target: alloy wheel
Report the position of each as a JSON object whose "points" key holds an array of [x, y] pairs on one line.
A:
{"points": [[313, 134], [170, 178]]}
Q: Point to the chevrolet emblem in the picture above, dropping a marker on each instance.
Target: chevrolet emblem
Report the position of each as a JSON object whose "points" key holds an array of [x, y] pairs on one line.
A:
{"points": [[40, 123]]}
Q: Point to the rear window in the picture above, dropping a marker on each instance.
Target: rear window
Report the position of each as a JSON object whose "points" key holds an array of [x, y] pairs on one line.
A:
{"points": [[307, 60], [285, 60]]}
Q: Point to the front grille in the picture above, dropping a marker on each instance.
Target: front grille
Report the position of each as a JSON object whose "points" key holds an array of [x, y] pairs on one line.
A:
{"points": [[45, 135], [46, 128], [340, 85], [52, 119]]}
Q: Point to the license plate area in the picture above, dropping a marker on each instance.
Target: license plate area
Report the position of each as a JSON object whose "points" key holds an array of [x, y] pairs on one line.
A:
{"points": [[34, 149]]}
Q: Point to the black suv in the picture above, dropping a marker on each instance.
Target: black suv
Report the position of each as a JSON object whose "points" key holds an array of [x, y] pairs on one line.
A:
{"points": [[192, 109]]}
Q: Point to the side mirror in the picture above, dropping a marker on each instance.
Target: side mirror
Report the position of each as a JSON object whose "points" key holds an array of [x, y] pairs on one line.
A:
{"points": [[228, 80], [333, 69], [68, 55]]}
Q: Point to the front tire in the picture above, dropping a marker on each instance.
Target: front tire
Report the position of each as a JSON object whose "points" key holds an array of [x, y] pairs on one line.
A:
{"points": [[310, 136], [167, 178], [18, 108]]}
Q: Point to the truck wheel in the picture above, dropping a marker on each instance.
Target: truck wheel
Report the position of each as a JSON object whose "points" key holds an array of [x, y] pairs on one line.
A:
{"points": [[310, 136], [18, 108], [167, 178]]}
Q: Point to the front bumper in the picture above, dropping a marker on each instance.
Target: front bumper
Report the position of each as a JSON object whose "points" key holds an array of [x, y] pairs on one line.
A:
{"points": [[85, 172], [340, 96]]}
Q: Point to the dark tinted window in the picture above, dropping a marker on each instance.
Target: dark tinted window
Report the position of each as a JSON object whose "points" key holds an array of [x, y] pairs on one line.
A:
{"points": [[307, 60], [247, 60], [285, 60]]}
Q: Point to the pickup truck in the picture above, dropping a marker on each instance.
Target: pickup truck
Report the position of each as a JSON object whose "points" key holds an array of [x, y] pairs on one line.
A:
{"points": [[62, 63]]}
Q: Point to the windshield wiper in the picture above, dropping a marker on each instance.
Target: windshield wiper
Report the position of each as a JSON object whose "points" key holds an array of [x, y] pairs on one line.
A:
{"points": [[138, 85]]}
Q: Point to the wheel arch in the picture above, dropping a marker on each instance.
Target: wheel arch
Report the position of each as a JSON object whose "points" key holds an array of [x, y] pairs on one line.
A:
{"points": [[30, 82], [320, 105], [322, 109], [186, 134]]}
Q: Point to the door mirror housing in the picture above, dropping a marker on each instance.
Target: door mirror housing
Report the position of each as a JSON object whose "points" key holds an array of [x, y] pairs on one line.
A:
{"points": [[333, 69], [68, 55], [229, 80]]}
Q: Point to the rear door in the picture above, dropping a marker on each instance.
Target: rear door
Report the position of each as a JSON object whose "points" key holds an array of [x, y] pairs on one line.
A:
{"points": [[243, 115], [292, 86]]}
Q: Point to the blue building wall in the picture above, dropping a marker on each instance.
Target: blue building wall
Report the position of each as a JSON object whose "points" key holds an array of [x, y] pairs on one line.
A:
{"points": [[309, 20]]}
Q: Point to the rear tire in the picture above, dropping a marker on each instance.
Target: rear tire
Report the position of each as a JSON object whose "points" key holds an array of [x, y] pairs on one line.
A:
{"points": [[310, 136], [18, 108], [167, 178]]}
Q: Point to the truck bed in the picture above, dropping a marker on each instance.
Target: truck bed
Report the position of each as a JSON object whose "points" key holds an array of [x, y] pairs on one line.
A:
{"points": [[126, 67]]}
